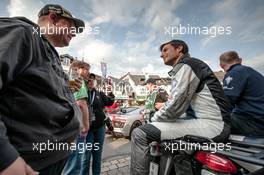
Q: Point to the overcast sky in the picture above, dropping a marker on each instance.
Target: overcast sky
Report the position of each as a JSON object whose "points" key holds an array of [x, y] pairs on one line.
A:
{"points": [[126, 34]]}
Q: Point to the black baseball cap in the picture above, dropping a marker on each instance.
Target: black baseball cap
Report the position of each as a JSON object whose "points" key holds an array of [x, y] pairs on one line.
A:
{"points": [[150, 80], [59, 10]]}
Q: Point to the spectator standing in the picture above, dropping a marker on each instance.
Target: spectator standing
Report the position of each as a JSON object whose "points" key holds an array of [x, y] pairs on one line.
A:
{"points": [[96, 134]]}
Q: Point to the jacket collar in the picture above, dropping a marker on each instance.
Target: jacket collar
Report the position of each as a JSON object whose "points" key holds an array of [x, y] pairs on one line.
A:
{"points": [[176, 67], [234, 65]]}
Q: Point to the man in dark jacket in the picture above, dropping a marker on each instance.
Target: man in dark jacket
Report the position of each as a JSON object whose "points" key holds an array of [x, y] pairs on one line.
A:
{"points": [[244, 88], [96, 134], [37, 107]]}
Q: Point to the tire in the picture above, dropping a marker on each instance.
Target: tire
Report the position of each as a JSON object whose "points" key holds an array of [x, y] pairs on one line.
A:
{"points": [[136, 124]]}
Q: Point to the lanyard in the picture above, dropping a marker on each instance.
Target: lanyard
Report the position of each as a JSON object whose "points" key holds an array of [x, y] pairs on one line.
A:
{"points": [[92, 99]]}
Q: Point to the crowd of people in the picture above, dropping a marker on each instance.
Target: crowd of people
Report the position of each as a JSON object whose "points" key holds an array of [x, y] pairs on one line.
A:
{"points": [[38, 104]]}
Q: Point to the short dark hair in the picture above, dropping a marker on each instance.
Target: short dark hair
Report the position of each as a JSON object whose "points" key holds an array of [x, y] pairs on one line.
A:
{"points": [[175, 43], [92, 75], [150, 81], [229, 57]]}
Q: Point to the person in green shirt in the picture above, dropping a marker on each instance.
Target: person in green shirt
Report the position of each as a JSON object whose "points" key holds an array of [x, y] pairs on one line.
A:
{"points": [[73, 164], [157, 96]]}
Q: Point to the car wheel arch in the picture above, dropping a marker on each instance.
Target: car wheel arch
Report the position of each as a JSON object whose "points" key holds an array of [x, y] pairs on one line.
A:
{"points": [[134, 125]]}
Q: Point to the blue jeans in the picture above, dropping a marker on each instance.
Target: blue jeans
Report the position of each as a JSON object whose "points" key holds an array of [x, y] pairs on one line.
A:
{"points": [[96, 138], [73, 164]]}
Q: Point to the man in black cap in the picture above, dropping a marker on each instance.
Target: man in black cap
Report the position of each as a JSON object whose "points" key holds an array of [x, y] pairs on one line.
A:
{"points": [[156, 98], [38, 113], [58, 25]]}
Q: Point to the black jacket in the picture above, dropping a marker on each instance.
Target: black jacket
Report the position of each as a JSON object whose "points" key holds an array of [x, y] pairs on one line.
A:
{"points": [[36, 104], [98, 104]]}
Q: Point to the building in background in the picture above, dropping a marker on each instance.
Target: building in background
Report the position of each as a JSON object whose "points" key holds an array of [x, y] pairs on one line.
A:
{"points": [[133, 86], [220, 75]]}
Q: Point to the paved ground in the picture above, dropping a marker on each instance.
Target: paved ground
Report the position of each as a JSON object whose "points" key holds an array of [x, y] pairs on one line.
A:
{"points": [[118, 165], [115, 146], [116, 156]]}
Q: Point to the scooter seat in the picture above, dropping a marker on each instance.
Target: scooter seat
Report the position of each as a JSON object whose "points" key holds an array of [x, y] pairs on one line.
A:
{"points": [[247, 140]]}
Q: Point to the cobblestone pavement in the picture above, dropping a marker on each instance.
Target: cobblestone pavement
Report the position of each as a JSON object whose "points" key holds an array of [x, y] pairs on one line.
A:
{"points": [[116, 165]]}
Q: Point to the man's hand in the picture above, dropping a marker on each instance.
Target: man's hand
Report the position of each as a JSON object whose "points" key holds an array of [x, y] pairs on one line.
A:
{"points": [[111, 128], [84, 131], [86, 127], [19, 167], [158, 105], [111, 95], [82, 103], [76, 85]]}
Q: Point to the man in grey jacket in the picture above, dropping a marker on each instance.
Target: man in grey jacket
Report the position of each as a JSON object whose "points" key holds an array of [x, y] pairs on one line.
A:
{"points": [[196, 106], [37, 108]]}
